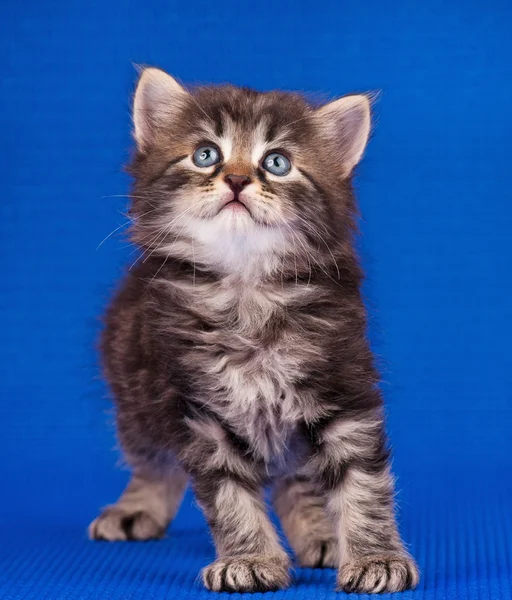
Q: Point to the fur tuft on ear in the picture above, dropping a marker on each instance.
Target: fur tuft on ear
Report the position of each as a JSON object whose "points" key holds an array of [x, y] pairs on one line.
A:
{"points": [[347, 122], [157, 98]]}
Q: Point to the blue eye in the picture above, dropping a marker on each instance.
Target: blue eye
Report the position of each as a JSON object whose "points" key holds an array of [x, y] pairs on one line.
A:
{"points": [[206, 156], [277, 164]]}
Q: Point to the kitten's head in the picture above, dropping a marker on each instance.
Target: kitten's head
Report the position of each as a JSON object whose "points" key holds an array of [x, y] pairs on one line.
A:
{"points": [[229, 177]]}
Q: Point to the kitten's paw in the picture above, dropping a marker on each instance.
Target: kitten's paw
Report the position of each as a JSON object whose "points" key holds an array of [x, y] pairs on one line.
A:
{"points": [[379, 573], [247, 574], [318, 553], [116, 525]]}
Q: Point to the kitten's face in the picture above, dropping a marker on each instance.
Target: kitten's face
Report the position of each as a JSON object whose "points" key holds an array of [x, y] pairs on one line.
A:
{"points": [[226, 176]]}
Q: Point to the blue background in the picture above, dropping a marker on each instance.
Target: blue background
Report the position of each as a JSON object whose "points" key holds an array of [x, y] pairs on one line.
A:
{"points": [[434, 189]]}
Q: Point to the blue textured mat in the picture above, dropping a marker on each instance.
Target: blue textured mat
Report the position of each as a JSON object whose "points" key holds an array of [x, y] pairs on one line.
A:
{"points": [[434, 190], [461, 538]]}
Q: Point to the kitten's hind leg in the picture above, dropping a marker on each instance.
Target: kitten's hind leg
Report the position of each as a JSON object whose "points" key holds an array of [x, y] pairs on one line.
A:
{"points": [[303, 516], [145, 508]]}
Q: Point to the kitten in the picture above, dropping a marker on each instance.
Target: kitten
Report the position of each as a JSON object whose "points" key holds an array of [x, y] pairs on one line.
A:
{"points": [[236, 347]]}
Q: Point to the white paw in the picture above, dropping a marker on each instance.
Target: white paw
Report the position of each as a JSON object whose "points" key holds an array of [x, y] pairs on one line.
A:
{"points": [[319, 553], [246, 574], [116, 525], [379, 573]]}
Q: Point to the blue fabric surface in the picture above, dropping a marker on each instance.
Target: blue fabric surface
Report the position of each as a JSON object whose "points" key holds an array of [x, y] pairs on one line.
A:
{"points": [[435, 197]]}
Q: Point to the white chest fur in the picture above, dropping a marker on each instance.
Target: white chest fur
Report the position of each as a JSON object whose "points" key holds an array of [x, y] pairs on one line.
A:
{"points": [[251, 375]]}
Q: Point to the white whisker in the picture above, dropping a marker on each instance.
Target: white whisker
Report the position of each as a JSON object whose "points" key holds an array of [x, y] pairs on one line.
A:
{"points": [[308, 255], [112, 233], [314, 230], [168, 255], [130, 219], [167, 230], [194, 263], [191, 96]]}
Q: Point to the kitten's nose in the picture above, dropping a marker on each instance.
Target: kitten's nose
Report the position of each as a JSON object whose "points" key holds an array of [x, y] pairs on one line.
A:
{"points": [[237, 182]]}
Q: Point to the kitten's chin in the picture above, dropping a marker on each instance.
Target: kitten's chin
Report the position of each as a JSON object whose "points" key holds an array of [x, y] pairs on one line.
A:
{"points": [[233, 240]]}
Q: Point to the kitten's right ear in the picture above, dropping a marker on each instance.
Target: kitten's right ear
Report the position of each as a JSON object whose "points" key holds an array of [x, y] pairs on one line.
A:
{"points": [[157, 98]]}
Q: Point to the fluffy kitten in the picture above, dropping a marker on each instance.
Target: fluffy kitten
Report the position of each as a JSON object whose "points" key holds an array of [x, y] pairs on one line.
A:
{"points": [[236, 347]]}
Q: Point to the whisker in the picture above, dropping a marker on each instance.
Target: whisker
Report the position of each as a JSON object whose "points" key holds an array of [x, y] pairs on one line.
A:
{"points": [[129, 196], [308, 256], [297, 121], [160, 231], [311, 257], [123, 196], [324, 271], [199, 107], [167, 256], [112, 233], [160, 234], [194, 263], [282, 259], [314, 230], [121, 226], [294, 256], [168, 229]]}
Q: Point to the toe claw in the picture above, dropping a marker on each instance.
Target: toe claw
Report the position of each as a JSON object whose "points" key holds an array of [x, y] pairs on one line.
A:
{"points": [[379, 573], [246, 574]]}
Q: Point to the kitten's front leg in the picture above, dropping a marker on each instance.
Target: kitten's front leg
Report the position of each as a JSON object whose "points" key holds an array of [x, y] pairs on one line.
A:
{"points": [[354, 472], [249, 556]]}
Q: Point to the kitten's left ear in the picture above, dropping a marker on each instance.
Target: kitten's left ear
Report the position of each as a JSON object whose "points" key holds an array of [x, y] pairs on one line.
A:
{"points": [[347, 122]]}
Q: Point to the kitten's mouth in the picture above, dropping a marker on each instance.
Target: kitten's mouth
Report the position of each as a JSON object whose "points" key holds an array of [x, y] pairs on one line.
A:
{"points": [[236, 205]]}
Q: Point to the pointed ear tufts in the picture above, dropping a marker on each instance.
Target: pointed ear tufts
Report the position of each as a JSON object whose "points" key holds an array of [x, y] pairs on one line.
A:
{"points": [[157, 99], [347, 122]]}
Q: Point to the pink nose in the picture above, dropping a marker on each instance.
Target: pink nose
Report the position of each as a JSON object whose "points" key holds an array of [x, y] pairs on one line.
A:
{"points": [[237, 182]]}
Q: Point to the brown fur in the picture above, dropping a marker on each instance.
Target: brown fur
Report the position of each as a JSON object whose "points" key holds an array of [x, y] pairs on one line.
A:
{"points": [[236, 347]]}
